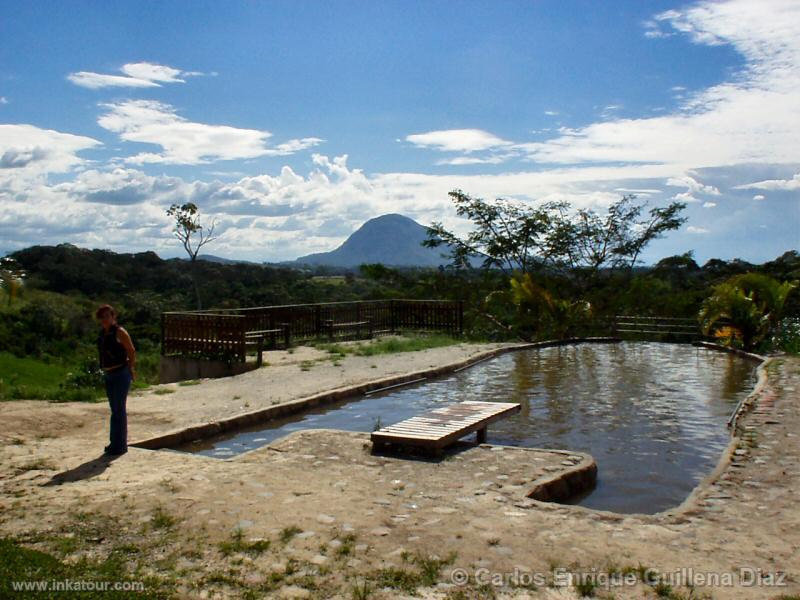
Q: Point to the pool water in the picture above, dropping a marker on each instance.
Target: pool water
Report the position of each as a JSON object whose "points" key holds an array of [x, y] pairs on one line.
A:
{"points": [[652, 415]]}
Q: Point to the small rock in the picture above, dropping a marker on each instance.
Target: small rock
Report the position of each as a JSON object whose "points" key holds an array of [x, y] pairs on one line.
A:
{"points": [[304, 535], [444, 510]]}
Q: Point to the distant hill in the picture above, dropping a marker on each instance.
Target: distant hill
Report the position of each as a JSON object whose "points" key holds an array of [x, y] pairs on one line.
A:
{"points": [[222, 260], [392, 240]]}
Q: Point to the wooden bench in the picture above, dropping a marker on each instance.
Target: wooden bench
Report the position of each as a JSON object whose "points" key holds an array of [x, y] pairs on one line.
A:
{"points": [[435, 430], [256, 338], [330, 327]]}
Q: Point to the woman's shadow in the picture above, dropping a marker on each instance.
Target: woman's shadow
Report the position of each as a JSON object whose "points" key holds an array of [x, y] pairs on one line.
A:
{"points": [[87, 470]]}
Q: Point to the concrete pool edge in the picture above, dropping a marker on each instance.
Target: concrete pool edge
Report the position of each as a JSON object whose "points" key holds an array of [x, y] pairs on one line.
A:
{"points": [[691, 503], [567, 484], [209, 429]]}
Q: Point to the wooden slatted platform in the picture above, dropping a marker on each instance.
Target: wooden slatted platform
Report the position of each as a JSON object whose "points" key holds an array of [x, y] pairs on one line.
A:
{"points": [[441, 427]]}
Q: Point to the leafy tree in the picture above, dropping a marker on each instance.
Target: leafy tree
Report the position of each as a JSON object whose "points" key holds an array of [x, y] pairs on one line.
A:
{"points": [[190, 233], [745, 309], [507, 235], [512, 236], [589, 241]]}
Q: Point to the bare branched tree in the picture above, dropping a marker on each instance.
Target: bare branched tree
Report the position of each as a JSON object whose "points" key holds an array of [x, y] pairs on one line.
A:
{"points": [[192, 235]]}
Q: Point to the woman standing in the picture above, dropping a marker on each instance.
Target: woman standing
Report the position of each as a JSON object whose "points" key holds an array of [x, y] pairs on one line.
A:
{"points": [[118, 361]]}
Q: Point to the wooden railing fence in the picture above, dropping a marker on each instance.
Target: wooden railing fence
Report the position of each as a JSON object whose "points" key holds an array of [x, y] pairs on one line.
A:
{"points": [[657, 328], [223, 333]]}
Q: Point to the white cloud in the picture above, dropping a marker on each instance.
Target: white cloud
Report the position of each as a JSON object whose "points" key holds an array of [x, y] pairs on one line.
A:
{"points": [[773, 184], [759, 197], [472, 160], [457, 140], [3, 100], [186, 142], [28, 152], [551, 113], [685, 197], [121, 186], [135, 75], [709, 204], [153, 72], [638, 191], [750, 119], [697, 230], [693, 187]]}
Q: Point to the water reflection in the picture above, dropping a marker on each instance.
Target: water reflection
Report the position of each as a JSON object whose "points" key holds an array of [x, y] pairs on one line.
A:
{"points": [[652, 415]]}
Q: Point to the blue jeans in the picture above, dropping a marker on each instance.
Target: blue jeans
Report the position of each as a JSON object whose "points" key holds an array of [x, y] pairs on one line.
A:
{"points": [[117, 385]]}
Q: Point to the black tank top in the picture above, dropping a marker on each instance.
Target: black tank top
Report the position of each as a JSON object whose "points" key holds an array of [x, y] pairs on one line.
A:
{"points": [[111, 352]]}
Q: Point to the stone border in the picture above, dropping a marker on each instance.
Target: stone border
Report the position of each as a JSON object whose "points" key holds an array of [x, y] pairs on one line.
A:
{"points": [[262, 415], [566, 484], [736, 351]]}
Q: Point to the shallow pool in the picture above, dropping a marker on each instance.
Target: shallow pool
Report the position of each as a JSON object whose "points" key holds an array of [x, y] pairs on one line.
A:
{"points": [[652, 415]]}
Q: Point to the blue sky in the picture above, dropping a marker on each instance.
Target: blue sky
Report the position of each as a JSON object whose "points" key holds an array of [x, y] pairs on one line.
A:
{"points": [[292, 123]]}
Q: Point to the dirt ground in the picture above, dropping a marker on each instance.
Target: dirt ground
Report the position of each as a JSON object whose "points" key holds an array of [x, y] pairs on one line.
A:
{"points": [[315, 514]]}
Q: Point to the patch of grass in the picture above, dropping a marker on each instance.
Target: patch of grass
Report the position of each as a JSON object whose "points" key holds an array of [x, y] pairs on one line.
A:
{"points": [[643, 573], [35, 379], [348, 545], [430, 567], [391, 345], [162, 519], [585, 587], [21, 564], [163, 391], [398, 579], [287, 533], [29, 372], [306, 365], [189, 382], [361, 591], [237, 544], [428, 570]]}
